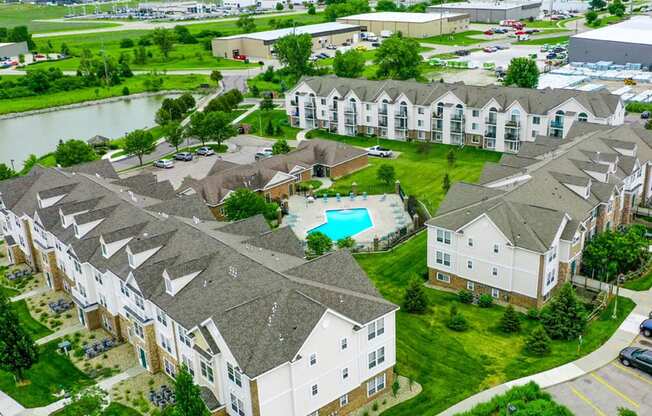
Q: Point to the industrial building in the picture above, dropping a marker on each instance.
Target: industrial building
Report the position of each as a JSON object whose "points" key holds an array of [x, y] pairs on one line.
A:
{"points": [[415, 25], [628, 42], [261, 44], [13, 50], [492, 12]]}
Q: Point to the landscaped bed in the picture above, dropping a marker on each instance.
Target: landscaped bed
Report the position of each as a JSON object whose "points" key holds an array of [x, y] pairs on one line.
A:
{"points": [[113, 409], [114, 360], [454, 365], [134, 392], [40, 309]]}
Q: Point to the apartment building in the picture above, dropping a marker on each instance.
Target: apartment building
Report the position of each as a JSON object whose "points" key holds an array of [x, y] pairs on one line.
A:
{"points": [[491, 117], [262, 330], [520, 232]]}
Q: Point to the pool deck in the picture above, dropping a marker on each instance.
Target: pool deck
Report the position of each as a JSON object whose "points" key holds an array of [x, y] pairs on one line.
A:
{"points": [[385, 214]]}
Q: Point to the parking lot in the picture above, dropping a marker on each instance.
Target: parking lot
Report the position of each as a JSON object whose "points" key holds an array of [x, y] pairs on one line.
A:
{"points": [[603, 391]]}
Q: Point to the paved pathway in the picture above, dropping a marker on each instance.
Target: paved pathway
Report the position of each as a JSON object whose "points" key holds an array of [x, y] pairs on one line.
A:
{"points": [[30, 294], [60, 333], [8, 406], [623, 337]]}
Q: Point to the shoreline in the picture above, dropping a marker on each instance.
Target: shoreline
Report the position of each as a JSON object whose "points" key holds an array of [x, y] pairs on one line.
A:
{"points": [[89, 103]]}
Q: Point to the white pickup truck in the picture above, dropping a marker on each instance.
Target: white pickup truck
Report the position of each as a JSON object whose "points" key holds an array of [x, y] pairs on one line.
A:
{"points": [[379, 151]]}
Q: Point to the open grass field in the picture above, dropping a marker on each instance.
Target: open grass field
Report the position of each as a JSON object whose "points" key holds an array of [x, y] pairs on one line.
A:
{"points": [[543, 41], [420, 168], [114, 409], [456, 39], [27, 15], [135, 85], [51, 374], [32, 326], [641, 284], [260, 119], [454, 365]]}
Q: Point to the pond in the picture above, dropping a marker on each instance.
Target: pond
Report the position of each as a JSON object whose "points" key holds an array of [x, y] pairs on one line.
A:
{"points": [[40, 133]]}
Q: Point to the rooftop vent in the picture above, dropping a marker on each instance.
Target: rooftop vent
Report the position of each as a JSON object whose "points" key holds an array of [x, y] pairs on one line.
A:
{"points": [[233, 271]]}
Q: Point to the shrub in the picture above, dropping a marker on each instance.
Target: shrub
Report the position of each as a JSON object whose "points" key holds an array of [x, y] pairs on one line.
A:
{"points": [[125, 91], [374, 407], [510, 321], [126, 43], [395, 387], [347, 242], [456, 320], [533, 314], [319, 243], [623, 411], [415, 300], [538, 342], [485, 301], [465, 296]]}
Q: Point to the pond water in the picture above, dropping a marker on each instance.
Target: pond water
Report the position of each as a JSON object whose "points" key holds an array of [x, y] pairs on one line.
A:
{"points": [[40, 133]]}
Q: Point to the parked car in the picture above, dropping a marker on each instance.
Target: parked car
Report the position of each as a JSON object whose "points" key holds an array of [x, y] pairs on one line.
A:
{"points": [[488, 32], [379, 151], [185, 156], [551, 55], [375, 44], [462, 52], [640, 358], [645, 115], [205, 151], [331, 47], [646, 328], [490, 49], [164, 163], [323, 55], [262, 155]]}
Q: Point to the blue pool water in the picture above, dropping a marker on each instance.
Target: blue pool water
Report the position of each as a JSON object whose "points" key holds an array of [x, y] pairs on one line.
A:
{"points": [[342, 223]]}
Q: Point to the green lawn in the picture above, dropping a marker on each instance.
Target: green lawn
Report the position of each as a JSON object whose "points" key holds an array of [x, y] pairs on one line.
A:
{"points": [[9, 291], [543, 41], [52, 373], [26, 15], [457, 39], [429, 160], [259, 119], [641, 284], [550, 24], [135, 84], [114, 409], [605, 20], [32, 326], [452, 365]]}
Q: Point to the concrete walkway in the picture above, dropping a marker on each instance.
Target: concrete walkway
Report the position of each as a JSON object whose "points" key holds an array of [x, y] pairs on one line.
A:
{"points": [[30, 294], [623, 337], [245, 114], [8, 406], [59, 334]]}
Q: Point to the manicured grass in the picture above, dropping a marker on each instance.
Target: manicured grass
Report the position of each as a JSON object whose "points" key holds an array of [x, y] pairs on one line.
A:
{"points": [[114, 409], [549, 24], [26, 15], [641, 284], [459, 39], [9, 292], [259, 119], [420, 168], [452, 365], [49, 375], [32, 326], [135, 84], [543, 41], [605, 20]]}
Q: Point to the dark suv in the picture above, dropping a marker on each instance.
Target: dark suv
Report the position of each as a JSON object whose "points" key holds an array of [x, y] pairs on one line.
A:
{"points": [[646, 327], [640, 358]]}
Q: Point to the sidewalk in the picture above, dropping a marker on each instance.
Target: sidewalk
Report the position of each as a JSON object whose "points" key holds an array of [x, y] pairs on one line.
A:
{"points": [[623, 337], [59, 334], [8, 406], [30, 294]]}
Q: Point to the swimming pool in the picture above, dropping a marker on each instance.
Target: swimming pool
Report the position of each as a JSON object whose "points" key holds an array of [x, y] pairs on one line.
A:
{"points": [[342, 223]]}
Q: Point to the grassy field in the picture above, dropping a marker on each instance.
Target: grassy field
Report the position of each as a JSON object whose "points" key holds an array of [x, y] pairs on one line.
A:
{"points": [[135, 84], [457, 39], [52, 373], [259, 119], [641, 284], [454, 365], [31, 325], [543, 41], [605, 20], [26, 15], [420, 168], [114, 409]]}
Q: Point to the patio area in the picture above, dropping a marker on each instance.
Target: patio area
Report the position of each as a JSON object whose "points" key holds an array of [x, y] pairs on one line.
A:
{"points": [[386, 212], [56, 310], [135, 391]]}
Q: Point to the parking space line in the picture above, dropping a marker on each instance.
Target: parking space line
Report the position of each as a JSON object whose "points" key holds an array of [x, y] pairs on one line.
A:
{"points": [[588, 401], [631, 372], [615, 390]]}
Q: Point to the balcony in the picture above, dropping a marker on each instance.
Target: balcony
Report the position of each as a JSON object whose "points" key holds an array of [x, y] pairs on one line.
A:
{"points": [[382, 121], [490, 133], [457, 127], [382, 111], [457, 116], [456, 138], [556, 124], [350, 120], [513, 123], [490, 121], [438, 115], [510, 137], [489, 143]]}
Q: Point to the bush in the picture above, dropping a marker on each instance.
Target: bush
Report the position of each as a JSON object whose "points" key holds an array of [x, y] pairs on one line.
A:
{"points": [[465, 296], [456, 320], [623, 411], [485, 301], [538, 342], [125, 91], [510, 321], [415, 300], [319, 243], [529, 400], [347, 242], [126, 43], [395, 387], [533, 314]]}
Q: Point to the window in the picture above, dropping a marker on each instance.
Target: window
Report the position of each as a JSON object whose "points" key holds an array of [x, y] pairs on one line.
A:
{"points": [[495, 293], [470, 242], [420, 110], [443, 277], [420, 123], [582, 117], [237, 405], [161, 317], [367, 107], [534, 133], [123, 289], [443, 236], [536, 120], [375, 385], [102, 299], [494, 271], [376, 357], [188, 362], [344, 344], [206, 371], [368, 119], [470, 286], [476, 113], [234, 374], [323, 101], [166, 344], [376, 328], [98, 277], [138, 330], [139, 301], [345, 373], [168, 286], [474, 126], [314, 390], [443, 258], [496, 248], [77, 266], [313, 359], [344, 400], [469, 264], [183, 336], [169, 368]]}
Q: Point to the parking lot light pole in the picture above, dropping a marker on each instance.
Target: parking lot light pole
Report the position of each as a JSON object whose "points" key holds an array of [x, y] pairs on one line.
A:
{"points": [[614, 315]]}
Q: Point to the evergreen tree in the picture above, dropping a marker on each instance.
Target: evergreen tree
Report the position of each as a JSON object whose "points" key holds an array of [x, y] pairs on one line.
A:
{"points": [[564, 317], [446, 183], [456, 321], [451, 157], [280, 147], [188, 395], [415, 300], [510, 321], [538, 342], [17, 349]]}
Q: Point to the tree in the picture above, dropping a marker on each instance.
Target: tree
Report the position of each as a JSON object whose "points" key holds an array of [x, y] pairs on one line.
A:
{"points": [[591, 16], [293, 51], [485, 301], [186, 102], [564, 317], [140, 55], [17, 350], [214, 126], [29, 163], [188, 396], [139, 143], [126, 43], [617, 8], [349, 64], [414, 300], [65, 50], [244, 203], [6, 172], [623, 411], [174, 134], [74, 152], [386, 6], [164, 39], [456, 321], [611, 252], [597, 4], [88, 402], [319, 243], [510, 321], [279, 6], [339, 8], [346, 242], [311, 9], [538, 342], [386, 173], [267, 104], [522, 72], [446, 183], [451, 158], [398, 58], [246, 23], [216, 76], [21, 34], [183, 35], [280, 147], [170, 110]]}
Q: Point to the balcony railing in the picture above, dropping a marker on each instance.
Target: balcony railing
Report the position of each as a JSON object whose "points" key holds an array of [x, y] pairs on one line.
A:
{"points": [[556, 124], [457, 116], [490, 121], [511, 137], [438, 114], [512, 123], [382, 121], [382, 111], [457, 127], [490, 134], [350, 120]]}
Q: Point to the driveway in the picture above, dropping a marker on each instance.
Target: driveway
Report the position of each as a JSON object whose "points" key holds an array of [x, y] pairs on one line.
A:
{"points": [[603, 391]]}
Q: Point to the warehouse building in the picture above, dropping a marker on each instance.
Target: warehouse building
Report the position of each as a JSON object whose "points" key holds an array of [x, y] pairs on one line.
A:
{"points": [[13, 50], [261, 44], [626, 42], [492, 12], [415, 25]]}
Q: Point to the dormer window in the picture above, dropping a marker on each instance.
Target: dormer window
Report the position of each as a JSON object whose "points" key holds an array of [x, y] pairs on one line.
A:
{"points": [[105, 252], [130, 259], [63, 219], [76, 228], [168, 286]]}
